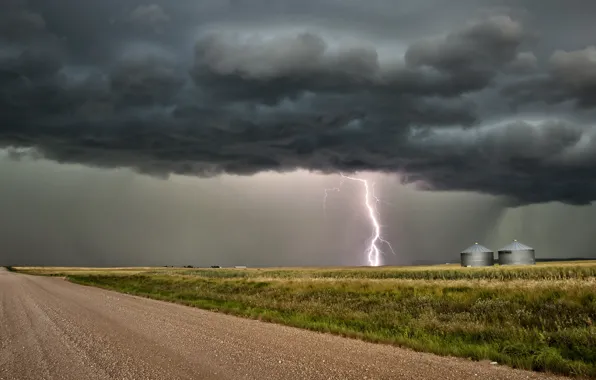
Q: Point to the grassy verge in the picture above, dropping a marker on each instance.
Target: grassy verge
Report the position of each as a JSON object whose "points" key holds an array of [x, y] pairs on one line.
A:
{"points": [[543, 272], [509, 315]]}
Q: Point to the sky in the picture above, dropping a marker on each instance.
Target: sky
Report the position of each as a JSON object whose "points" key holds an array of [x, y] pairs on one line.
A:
{"points": [[198, 132]]}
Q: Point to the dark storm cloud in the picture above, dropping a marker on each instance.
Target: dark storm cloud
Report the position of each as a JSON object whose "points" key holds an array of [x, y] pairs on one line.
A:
{"points": [[516, 158], [17, 23], [205, 88], [145, 80], [524, 63], [571, 76], [150, 16], [463, 61], [480, 48]]}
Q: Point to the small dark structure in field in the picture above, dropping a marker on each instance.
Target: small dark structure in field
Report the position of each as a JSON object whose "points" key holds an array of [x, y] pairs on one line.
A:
{"points": [[477, 256], [215, 266], [517, 253]]}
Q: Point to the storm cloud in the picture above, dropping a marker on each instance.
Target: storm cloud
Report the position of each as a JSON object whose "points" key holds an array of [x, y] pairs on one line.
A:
{"points": [[483, 99], [571, 77]]}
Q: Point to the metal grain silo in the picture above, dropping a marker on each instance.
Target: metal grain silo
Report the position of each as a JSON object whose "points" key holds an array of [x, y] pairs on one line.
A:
{"points": [[477, 256], [517, 253]]}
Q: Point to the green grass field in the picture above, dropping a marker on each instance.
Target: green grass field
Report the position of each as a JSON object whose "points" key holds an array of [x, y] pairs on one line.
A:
{"points": [[539, 318]]}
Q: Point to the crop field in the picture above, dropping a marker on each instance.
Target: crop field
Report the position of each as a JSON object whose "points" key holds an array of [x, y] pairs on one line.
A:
{"points": [[539, 318]]}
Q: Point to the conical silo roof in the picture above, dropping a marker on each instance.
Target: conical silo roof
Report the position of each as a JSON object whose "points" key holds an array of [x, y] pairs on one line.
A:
{"points": [[476, 248], [516, 246]]}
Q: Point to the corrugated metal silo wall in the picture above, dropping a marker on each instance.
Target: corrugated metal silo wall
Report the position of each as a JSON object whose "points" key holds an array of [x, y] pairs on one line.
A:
{"points": [[479, 259], [527, 257]]}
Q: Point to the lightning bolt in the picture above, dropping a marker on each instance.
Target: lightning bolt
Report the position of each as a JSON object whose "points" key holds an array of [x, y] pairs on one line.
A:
{"points": [[373, 253]]}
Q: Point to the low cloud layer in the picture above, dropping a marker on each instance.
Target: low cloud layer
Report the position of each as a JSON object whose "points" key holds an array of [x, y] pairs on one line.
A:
{"points": [[487, 99]]}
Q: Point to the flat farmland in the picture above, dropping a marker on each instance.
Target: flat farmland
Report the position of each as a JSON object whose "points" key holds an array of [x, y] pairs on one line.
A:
{"points": [[538, 318]]}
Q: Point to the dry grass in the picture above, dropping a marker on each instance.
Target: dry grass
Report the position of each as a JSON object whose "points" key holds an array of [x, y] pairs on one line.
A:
{"points": [[589, 283]]}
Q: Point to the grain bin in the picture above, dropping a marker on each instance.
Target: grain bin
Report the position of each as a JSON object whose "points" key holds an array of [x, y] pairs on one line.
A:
{"points": [[477, 256], [517, 253]]}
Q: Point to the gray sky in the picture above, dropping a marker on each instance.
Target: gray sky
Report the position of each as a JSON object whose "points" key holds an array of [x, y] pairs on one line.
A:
{"points": [[68, 214], [484, 105]]}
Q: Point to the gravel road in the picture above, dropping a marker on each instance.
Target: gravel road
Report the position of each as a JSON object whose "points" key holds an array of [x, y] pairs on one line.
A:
{"points": [[52, 329]]}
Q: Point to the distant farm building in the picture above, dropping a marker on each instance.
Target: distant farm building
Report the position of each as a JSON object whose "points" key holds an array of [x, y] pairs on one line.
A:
{"points": [[477, 256], [240, 267], [517, 253]]}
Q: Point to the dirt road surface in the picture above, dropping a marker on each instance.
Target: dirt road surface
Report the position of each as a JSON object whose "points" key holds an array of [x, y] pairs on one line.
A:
{"points": [[53, 329]]}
